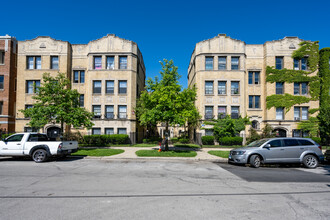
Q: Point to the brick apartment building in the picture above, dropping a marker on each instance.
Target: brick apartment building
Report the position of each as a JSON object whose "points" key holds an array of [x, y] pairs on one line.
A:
{"points": [[8, 73]]}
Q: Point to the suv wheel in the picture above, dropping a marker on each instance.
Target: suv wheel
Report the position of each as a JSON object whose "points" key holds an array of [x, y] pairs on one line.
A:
{"points": [[255, 161], [39, 155], [310, 161]]}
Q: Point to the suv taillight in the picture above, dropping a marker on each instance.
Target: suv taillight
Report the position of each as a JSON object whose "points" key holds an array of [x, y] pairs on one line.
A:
{"points": [[320, 147], [60, 146]]}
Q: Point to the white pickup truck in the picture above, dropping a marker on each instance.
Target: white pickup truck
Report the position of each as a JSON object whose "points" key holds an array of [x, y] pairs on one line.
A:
{"points": [[36, 145]]}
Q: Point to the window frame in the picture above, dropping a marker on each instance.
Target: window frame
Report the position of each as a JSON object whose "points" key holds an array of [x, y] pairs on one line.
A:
{"points": [[209, 112], [208, 61], [34, 88], [233, 89], [233, 66], [96, 129], [252, 102], [277, 113], [52, 62], [122, 90], [97, 65], [207, 89], [2, 82], [111, 113], [253, 76], [278, 89], [99, 115], [123, 65], [221, 64], [97, 90], [110, 67], [121, 114], [281, 63], [108, 90], [123, 129], [233, 113], [2, 57], [225, 88], [106, 129], [82, 100]]}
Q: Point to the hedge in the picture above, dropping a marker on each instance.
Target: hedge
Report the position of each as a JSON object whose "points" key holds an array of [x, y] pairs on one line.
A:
{"points": [[152, 140], [208, 140], [98, 140], [231, 141]]}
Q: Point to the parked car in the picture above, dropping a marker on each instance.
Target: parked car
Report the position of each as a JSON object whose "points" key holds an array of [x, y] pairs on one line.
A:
{"points": [[278, 150], [36, 145]]}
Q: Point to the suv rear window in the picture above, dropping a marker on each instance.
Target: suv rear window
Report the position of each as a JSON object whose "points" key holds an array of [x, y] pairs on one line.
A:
{"points": [[290, 142], [305, 142]]}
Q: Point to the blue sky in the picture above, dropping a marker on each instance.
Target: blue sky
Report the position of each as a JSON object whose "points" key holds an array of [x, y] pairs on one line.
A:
{"points": [[167, 29]]}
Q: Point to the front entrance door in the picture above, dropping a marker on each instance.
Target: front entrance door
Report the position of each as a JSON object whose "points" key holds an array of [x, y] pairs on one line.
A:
{"points": [[280, 132], [53, 132]]}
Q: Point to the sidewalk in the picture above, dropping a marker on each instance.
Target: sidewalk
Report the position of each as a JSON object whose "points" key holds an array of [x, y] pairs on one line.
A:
{"points": [[202, 155]]}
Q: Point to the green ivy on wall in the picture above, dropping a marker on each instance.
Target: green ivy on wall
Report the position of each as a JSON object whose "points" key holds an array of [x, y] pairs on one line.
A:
{"points": [[306, 49]]}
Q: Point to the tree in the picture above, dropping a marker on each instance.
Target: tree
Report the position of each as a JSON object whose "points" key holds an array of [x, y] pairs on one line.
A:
{"points": [[57, 103], [228, 127], [311, 125], [164, 102]]}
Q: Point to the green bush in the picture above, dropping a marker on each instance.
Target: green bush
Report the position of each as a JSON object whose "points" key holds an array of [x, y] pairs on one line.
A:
{"points": [[231, 141], [73, 136], [184, 140], [208, 140], [152, 140], [316, 139], [175, 140], [103, 140]]}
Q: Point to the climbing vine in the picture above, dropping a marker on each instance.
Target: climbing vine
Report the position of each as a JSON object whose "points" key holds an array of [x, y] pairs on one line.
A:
{"points": [[306, 49]]}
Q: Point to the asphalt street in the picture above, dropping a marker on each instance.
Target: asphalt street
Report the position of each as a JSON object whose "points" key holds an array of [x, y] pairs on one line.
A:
{"points": [[151, 189]]}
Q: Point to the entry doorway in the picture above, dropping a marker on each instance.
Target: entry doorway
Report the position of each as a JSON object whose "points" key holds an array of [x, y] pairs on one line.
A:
{"points": [[280, 132], [53, 132]]}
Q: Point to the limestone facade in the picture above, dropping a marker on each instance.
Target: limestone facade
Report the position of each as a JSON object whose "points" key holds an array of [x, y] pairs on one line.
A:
{"points": [[109, 73], [230, 76]]}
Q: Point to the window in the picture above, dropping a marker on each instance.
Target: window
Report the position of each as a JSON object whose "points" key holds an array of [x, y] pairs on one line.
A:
{"points": [[300, 88], [15, 138], [235, 63], [1, 107], [209, 87], [28, 106], [300, 64], [208, 63], [280, 113], [78, 76], [110, 63], [222, 63], [222, 111], [305, 142], [221, 88], [109, 112], [97, 62], [1, 81], [123, 63], [81, 100], [108, 131], [254, 101], [254, 78], [234, 88], [32, 86], [109, 86], [33, 62], [279, 63], [279, 88], [96, 130], [54, 62], [275, 143], [122, 111], [255, 124], [290, 142], [300, 113], [234, 112], [121, 131], [97, 86], [29, 129], [208, 132], [209, 112], [296, 133], [97, 111], [2, 57], [122, 87]]}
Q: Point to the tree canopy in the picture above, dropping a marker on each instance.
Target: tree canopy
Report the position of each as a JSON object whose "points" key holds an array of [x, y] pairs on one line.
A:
{"points": [[163, 101], [57, 103]]}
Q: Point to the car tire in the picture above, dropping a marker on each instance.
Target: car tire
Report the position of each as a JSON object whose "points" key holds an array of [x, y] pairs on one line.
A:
{"points": [[255, 161], [39, 155], [310, 161]]}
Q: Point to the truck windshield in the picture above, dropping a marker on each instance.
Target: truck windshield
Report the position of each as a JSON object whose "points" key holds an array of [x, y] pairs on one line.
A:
{"points": [[257, 143]]}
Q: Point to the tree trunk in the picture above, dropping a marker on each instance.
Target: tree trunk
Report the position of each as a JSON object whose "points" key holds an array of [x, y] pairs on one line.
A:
{"points": [[191, 133], [166, 137]]}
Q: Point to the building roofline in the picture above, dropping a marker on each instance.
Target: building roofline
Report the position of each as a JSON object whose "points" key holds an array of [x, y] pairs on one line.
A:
{"points": [[45, 37]]}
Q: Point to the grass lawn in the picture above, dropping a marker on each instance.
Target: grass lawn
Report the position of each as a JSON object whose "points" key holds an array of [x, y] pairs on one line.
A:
{"points": [[221, 146], [98, 152], [186, 145], [219, 153], [155, 153]]}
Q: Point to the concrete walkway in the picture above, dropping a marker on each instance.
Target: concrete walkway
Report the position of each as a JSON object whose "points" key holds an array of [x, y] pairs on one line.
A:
{"points": [[202, 154]]}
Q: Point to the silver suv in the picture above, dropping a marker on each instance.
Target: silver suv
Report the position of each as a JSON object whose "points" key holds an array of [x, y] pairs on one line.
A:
{"points": [[278, 150]]}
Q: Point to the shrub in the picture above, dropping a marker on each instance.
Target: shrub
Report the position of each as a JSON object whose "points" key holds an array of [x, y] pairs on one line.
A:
{"points": [[175, 140], [231, 141], [103, 140], [184, 140], [253, 136], [208, 140], [73, 136], [316, 139], [152, 140]]}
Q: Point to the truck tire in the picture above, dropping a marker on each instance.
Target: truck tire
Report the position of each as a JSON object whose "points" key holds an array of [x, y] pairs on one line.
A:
{"points": [[39, 155]]}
